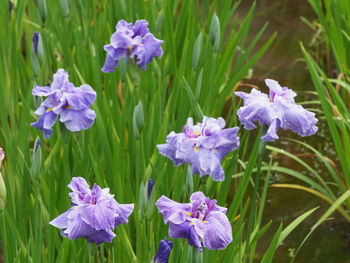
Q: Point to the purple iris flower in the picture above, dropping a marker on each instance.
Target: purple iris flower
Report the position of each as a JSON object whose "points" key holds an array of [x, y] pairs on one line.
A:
{"points": [[201, 222], [71, 104], [163, 253], [203, 146], [132, 41], [276, 110], [94, 213]]}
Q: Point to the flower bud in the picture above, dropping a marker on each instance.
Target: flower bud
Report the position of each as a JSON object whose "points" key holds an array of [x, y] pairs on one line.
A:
{"points": [[197, 48], [37, 53], [149, 188], [36, 157], [64, 7], [215, 32], [138, 120], [163, 253], [42, 10]]}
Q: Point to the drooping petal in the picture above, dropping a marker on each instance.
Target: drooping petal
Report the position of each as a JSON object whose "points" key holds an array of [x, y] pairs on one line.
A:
{"points": [[101, 236], [185, 230], [78, 228], [45, 123], [210, 164], [296, 118], [77, 120], [172, 211], [217, 231], [123, 212]]}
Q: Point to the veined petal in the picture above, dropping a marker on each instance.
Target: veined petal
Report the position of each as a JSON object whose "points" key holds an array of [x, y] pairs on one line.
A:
{"points": [[172, 211], [101, 236], [77, 120], [296, 118], [185, 230], [123, 212], [81, 98], [217, 231]]}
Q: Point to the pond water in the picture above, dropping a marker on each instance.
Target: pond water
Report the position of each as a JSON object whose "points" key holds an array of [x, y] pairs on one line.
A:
{"points": [[330, 243]]}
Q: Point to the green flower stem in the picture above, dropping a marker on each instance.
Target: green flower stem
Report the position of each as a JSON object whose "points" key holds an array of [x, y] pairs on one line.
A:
{"points": [[253, 208], [194, 255]]}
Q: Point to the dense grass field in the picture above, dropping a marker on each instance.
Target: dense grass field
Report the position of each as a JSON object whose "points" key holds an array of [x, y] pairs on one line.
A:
{"points": [[207, 53]]}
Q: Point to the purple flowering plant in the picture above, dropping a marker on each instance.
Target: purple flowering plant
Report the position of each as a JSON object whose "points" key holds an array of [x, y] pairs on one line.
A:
{"points": [[202, 222], [132, 41], [94, 213], [276, 110], [71, 104], [202, 146]]}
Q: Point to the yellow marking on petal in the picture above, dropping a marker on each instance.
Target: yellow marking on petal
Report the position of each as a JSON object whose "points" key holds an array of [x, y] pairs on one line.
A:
{"points": [[196, 133], [68, 107], [205, 221], [73, 207], [188, 213], [130, 48], [196, 149], [191, 223], [236, 218], [49, 109], [215, 150]]}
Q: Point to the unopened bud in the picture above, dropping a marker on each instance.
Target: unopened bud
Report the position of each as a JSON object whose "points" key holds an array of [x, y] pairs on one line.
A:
{"points": [[64, 7], [215, 32], [36, 157], [138, 120]]}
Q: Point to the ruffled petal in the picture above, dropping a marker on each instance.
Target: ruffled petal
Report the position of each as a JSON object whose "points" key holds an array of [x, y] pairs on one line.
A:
{"points": [[257, 108], [140, 28], [151, 47], [172, 211], [101, 236], [123, 212], [81, 98], [296, 118], [77, 120], [217, 231], [78, 228], [99, 216]]}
